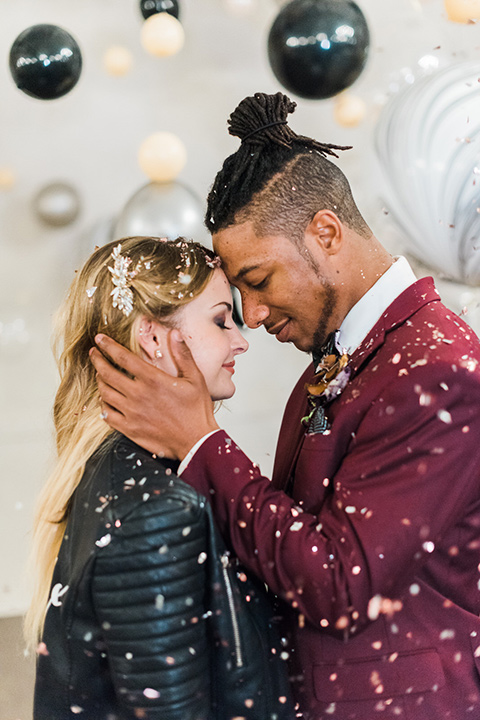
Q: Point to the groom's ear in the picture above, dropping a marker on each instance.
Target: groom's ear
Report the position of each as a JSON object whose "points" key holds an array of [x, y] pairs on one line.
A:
{"points": [[149, 336]]}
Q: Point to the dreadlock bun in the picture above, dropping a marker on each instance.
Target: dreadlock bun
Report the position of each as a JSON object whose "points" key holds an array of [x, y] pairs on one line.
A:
{"points": [[267, 145], [262, 118]]}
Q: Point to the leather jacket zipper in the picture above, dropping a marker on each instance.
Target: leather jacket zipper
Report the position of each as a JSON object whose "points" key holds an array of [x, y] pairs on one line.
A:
{"points": [[231, 605]]}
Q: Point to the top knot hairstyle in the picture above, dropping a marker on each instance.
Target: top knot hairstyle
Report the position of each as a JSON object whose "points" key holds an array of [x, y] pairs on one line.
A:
{"points": [[276, 178]]}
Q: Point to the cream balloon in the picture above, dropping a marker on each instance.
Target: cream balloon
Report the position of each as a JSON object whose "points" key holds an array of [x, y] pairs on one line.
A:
{"points": [[463, 11], [7, 178], [349, 110], [162, 35], [117, 60], [240, 7], [162, 156]]}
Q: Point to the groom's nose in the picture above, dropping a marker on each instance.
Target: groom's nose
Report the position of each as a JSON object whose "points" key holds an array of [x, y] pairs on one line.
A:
{"points": [[254, 313]]}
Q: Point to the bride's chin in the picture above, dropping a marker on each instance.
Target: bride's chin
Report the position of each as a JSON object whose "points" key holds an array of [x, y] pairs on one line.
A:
{"points": [[224, 395]]}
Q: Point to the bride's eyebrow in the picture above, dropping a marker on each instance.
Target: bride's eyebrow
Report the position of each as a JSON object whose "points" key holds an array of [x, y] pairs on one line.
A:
{"points": [[227, 305]]}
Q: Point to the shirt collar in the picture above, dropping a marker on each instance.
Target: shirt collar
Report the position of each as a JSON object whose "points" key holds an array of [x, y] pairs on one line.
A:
{"points": [[371, 306]]}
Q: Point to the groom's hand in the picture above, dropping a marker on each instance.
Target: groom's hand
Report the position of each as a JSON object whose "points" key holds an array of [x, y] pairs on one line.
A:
{"points": [[166, 415]]}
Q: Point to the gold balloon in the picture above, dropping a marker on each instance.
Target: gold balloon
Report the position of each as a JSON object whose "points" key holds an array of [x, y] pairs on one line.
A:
{"points": [[162, 35], [463, 11], [349, 110], [162, 156], [117, 60]]}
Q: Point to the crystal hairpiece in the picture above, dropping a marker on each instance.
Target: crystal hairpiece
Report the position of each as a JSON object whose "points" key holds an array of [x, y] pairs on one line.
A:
{"points": [[122, 294]]}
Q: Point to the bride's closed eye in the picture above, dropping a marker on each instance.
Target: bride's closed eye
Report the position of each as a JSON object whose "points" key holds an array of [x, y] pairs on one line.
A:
{"points": [[221, 321]]}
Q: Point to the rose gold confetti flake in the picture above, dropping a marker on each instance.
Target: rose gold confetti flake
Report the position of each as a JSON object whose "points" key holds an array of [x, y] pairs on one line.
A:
{"points": [[342, 623]]}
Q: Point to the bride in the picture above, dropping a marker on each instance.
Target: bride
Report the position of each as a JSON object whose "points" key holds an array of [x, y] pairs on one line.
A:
{"points": [[138, 610]]}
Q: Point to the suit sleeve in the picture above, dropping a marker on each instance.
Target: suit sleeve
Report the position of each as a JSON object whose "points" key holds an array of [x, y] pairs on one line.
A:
{"points": [[410, 474], [148, 591]]}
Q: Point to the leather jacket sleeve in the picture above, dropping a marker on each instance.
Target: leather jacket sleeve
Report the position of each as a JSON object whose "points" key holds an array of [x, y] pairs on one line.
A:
{"points": [[148, 592]]}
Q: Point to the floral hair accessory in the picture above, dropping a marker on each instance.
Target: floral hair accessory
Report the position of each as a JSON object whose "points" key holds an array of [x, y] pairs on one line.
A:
{"points": [[121, 278], [214, 262]]}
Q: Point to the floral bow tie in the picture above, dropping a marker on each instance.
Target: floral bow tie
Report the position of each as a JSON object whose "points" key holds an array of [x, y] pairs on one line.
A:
{"points": [[331, 376]]}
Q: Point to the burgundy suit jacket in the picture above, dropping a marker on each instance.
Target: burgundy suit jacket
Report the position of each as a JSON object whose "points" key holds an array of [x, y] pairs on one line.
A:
{"points": [[370, 533]]}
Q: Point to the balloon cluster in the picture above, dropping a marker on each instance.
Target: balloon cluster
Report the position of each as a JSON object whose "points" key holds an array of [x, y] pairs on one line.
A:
{"points": [[46, 62], [427, 140], [317, 48]]}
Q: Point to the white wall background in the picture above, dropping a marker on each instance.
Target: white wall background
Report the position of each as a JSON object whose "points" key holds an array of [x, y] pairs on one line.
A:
{"points": [[90, 138]]}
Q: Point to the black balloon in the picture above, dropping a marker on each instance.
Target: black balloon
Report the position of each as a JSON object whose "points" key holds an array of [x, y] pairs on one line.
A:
{"points": [[317, 48], [45, 62], [152, 7]]}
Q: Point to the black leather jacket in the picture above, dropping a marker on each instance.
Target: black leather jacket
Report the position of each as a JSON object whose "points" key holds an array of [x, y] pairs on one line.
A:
{"points": [[148, 617]]}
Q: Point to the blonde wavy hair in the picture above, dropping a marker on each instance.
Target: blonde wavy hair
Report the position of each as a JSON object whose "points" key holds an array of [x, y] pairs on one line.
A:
{"points": [[168, 274]]}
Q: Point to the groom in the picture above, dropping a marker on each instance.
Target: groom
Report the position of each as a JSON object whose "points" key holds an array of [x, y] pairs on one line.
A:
{"points": [[369, 531]]}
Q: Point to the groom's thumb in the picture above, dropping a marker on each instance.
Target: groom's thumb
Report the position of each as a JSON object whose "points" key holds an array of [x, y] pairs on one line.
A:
{"points": [[182, 357]]}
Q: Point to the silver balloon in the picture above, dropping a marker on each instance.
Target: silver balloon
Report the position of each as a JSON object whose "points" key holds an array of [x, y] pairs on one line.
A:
{"points": [[162, 210], [57, 204], [427, 140]]}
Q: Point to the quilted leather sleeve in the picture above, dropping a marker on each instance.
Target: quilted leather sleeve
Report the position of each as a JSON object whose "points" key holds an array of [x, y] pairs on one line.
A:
{"points": [[148, 591]]}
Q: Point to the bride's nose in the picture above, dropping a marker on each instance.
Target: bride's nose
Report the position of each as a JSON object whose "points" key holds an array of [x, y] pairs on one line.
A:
{"points": [[238, 343]]}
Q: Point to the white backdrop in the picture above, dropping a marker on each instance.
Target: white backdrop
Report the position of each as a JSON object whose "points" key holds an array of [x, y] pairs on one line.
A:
{"points": [[90, 138]]}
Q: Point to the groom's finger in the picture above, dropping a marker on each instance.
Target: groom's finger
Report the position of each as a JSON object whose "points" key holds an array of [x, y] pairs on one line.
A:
{"points": [[110, 375], [122, 357], [113, 417], [111, 396]]}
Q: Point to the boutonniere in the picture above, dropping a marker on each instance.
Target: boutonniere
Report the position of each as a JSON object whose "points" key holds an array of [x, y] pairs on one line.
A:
{"points": [[331, 376]]}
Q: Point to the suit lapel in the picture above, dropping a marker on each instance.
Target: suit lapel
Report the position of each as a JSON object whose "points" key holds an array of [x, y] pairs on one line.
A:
{"points": [[292, 432], [402, 308]]}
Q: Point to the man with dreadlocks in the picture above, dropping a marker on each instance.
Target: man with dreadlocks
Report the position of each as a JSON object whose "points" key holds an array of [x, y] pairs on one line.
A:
{"points": [[369, 532]]}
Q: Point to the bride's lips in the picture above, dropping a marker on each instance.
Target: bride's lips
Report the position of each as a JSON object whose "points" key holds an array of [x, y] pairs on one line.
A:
{"points": [[229, 366], [281, 330]]}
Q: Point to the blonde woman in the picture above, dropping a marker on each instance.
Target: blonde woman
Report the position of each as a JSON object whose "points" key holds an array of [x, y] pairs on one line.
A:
{"points": [[138, 610]]}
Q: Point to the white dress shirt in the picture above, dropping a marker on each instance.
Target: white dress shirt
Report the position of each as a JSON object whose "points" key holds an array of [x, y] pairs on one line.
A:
{"points": [[371, 306], [358, 322]]}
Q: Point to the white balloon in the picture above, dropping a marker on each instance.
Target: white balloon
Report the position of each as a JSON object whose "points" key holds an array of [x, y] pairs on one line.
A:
{"points": [[428, 143], [162, 210]]}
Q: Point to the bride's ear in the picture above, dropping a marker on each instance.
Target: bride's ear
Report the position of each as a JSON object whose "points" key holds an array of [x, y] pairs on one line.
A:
{"points": [[151, 336]]}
